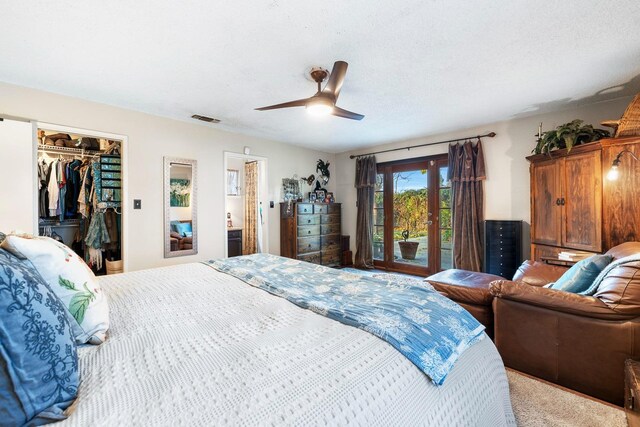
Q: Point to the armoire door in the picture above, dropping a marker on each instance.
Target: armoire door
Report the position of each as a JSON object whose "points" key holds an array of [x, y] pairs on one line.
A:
{"points": [[546, 196], [582, 201]]}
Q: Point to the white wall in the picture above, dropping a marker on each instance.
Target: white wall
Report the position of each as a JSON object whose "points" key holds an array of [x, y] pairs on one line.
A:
{"points": [[507, 184], [150, 139], [16, 176]]}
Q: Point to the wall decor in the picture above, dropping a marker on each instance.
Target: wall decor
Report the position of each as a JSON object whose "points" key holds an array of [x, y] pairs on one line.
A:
{"points": [[233, 188], [180, 192], [291, 189]]}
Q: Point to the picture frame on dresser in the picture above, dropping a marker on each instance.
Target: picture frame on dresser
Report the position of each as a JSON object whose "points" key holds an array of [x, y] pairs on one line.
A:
{"points": [[320, 195]]}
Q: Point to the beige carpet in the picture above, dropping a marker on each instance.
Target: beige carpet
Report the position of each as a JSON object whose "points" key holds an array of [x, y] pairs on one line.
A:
{"points": [[537, 403]]}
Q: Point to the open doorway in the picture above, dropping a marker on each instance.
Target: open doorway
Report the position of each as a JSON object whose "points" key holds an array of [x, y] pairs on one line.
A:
{"points": [[246, 202]]}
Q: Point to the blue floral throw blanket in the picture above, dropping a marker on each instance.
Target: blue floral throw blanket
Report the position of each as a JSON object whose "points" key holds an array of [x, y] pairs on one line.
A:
{"points": [[427, 328]]}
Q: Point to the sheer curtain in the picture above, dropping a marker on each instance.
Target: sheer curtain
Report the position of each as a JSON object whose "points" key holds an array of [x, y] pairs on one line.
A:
{"points": [[365, 185], [250, 208], [466, 172]]}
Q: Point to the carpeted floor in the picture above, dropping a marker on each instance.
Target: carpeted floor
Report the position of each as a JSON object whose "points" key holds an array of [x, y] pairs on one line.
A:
{"points": [[537, 403]]}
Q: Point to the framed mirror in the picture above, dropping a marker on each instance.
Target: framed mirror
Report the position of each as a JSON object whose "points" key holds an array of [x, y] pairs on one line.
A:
{"points": [[180, 207]]}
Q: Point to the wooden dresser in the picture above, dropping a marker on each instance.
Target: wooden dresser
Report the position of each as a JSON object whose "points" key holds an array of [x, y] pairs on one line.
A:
{"points": [[575, 207], [311, 232]]}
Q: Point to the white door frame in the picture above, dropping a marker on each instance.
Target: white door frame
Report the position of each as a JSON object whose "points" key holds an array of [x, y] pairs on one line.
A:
{"points": [[264, 194], [124, 244]]}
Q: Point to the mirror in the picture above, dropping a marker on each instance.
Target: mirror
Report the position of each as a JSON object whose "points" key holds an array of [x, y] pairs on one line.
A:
{"points": [[180, 202]]}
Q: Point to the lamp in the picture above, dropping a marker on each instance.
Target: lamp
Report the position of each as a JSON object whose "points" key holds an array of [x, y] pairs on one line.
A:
{"points": [[613, 173], [319, 106]]}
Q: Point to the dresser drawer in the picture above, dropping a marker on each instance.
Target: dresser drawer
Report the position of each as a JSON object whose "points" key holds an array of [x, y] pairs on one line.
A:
{"points": [[308, 244], [329, 219], [305, 208], [314, 258], [234, 234], [331, 242], [308, 230], [330, 229], [308, 219], [333, 208], [320, 209], [331, 257]]}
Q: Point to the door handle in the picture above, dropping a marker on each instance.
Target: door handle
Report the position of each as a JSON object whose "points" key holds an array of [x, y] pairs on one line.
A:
{"points": [[429, 222], [558, 202]]}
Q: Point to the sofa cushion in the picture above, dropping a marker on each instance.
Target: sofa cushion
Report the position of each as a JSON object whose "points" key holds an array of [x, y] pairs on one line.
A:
{"points": [[620, 288], [624, 250], [536, 273], [581, 276], [464, 286]]}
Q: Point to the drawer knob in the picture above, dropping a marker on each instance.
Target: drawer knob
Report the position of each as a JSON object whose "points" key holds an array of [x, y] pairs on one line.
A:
{"points": [[309, 232]]}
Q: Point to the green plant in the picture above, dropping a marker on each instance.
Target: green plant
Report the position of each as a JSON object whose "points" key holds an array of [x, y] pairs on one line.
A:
{"points": [[567, 136]]}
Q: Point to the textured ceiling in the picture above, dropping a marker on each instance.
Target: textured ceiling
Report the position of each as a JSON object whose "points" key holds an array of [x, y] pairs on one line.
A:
{"points": [[415, 67]]}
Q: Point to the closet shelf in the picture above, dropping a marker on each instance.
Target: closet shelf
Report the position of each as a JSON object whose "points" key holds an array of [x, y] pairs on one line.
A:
{"points": [[67, 150]]}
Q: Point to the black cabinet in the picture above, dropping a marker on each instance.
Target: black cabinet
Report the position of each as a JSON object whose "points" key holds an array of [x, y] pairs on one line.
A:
{"points": [[234, 243], [502, 247]]}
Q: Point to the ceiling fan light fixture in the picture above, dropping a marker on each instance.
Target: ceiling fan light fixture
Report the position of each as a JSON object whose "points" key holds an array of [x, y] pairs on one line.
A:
{"points": [[319, 106]]}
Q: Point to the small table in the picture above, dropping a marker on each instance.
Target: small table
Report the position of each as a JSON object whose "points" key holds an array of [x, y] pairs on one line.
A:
{"points": [[555, 261]]}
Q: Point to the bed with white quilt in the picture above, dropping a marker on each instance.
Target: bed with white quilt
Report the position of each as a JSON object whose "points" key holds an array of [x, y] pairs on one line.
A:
{"points": [[193, 345]]}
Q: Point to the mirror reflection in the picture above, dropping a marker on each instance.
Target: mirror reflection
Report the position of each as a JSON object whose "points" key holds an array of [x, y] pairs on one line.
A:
{"points": [[180, 218]]}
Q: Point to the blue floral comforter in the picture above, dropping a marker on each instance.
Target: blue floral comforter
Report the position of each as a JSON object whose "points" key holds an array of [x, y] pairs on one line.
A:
{"points": [[427, 328]]}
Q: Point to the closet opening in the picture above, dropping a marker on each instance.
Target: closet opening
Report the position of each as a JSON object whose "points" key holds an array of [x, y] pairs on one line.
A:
{"points": [[246, 204], [79, 194]]}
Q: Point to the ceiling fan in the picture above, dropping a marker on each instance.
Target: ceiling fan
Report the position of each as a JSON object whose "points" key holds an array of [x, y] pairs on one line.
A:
{"points": [[324, 101]]}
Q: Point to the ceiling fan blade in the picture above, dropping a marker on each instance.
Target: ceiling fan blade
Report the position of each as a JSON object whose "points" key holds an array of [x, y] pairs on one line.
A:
{"points": [[346, 114], [336, 79], [297, 103]]}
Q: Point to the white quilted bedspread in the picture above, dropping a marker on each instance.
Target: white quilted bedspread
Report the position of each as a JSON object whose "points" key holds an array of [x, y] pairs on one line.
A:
{"points": [[191, 346]]}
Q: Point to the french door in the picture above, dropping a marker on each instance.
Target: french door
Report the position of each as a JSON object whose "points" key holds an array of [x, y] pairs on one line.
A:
{"points": [[412, 216]]}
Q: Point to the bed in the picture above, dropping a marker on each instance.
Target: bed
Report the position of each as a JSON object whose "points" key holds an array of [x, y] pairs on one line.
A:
{"points": [[190, 345]]}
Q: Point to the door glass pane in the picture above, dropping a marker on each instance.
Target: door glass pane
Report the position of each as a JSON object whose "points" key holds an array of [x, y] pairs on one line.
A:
{"points": [[378, 218], [444, 216], [410, 204]]}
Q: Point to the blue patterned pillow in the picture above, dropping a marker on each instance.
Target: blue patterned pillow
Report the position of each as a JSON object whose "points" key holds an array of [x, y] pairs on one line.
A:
{"points": [[38, 355], [579, 277]]}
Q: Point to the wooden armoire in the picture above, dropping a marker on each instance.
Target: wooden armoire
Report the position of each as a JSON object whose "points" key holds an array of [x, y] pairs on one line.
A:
{"points": [[573, 204]]}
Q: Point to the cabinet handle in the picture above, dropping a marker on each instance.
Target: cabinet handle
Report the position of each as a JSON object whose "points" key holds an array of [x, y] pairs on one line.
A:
{"points": [[562, 201], [558, 202]]}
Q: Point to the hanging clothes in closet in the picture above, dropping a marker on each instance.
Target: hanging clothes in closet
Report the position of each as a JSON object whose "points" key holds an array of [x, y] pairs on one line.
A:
{"points": [[79, 198]]}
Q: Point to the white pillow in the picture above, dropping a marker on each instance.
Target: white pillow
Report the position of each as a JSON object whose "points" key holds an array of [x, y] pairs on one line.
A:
{"points": [[71, 280]]}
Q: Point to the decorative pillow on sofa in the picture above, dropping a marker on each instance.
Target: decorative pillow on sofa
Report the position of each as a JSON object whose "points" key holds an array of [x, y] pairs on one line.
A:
{"points": [[579, 277], [38, 358], [71, 280], [184, 228]]}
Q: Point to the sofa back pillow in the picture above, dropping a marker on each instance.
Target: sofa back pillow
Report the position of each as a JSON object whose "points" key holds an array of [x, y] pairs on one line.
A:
{"points": [[71, 280], [38, 356], [582, 274]]}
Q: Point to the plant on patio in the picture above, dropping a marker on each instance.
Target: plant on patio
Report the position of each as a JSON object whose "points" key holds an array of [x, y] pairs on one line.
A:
{"points": [[408, 250]]}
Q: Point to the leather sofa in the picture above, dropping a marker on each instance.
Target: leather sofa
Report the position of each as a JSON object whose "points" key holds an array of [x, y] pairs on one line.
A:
{"points": [[577, 341]]}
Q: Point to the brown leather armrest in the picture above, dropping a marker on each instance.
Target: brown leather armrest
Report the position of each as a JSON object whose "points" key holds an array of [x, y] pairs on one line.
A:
{"points": [[551, 299], [536, 273], [176, 235], [187, 240]]}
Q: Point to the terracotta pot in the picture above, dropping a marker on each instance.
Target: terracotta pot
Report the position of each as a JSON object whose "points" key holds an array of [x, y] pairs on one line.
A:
{"points": [[408, 249]]}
